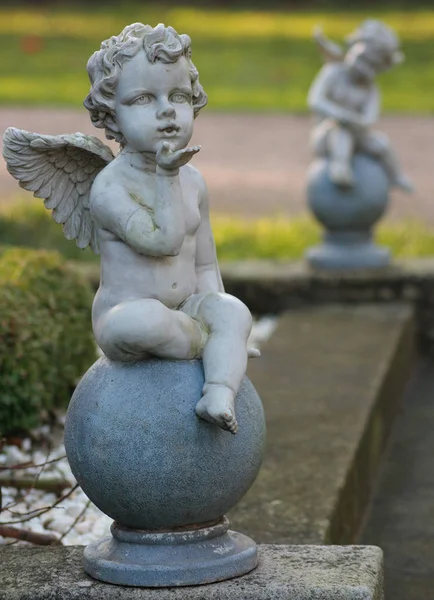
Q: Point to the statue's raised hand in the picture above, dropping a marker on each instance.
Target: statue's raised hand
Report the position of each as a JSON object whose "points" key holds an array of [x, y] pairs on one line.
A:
{"points": [[171, 160]]}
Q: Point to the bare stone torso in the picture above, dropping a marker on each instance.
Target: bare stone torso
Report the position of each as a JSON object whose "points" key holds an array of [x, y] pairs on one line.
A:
{"points": [[127, 275], [347, 93]]}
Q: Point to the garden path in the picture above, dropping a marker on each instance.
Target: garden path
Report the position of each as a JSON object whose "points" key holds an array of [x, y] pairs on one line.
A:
{"points": [[255, 163]]}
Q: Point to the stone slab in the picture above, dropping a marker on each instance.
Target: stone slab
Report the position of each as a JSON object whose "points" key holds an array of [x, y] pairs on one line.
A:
{"points": [[284, 573], [331, 380]]}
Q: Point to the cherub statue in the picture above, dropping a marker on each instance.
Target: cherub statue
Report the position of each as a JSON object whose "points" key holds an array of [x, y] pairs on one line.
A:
{"points": [[345, 100], [146, 212]]}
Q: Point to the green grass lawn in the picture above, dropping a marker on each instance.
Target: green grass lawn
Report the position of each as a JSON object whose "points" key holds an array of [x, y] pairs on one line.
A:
{"points": [[247, 60]]}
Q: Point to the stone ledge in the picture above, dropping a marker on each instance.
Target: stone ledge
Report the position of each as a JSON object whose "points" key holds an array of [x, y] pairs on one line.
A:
{"points": [[284, 573], [299, 273], [331, 380], [276, 286], [269, 287]]}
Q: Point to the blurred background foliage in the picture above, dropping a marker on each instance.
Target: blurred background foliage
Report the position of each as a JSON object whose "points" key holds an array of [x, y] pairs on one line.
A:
{"points": [[27, 223], [46, 340], [251, 55]]}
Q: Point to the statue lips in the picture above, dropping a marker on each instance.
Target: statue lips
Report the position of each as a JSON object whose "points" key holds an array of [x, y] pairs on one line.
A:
{"points": [[169, 129]]}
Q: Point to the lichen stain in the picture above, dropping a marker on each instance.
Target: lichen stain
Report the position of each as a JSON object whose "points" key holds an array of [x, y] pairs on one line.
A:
{"points": [[142, 203]]}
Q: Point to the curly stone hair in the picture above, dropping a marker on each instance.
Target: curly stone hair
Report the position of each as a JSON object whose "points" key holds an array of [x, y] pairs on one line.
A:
{"points": [[380, 39], [159, 43]]}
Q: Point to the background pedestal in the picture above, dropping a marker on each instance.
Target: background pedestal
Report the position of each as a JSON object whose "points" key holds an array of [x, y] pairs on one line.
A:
{"points": [[348, 215], [348, 251]]}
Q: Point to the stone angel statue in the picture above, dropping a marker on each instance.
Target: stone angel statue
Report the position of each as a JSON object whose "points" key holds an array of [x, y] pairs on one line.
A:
{"points": [[146, 212], [346, 104]]}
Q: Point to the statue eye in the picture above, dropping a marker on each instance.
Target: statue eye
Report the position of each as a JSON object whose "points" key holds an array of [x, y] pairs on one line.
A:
{"points": [[179, 97], [144, 99]]}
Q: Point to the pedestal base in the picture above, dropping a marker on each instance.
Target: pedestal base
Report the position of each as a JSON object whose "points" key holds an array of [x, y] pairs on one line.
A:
{"points": [[179, 558], [347, 251]]}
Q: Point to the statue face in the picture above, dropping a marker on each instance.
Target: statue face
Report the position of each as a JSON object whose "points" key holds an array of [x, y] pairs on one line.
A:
{"points": [[364, 63], [154, 104]]}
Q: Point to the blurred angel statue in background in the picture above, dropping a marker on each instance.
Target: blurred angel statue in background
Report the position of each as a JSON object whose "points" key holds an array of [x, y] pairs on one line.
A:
{"points": [[346, 103]]}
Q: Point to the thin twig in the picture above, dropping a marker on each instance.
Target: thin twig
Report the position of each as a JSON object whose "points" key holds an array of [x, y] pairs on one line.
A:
{"points": [[42, 468], [7, 506], [77, 519], [43, 510], [12, 543], [25, 465], [30, 512], [31, 465]]}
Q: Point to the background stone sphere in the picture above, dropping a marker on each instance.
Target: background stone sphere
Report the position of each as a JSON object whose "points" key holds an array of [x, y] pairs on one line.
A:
{"points": [[348, 209], [140, 453]]}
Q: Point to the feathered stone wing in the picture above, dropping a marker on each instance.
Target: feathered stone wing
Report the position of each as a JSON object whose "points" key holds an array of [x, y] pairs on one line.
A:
{"points": [[60, 169], [330, 51]]}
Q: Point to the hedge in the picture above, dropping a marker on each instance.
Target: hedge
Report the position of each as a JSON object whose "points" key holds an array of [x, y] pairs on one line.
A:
{"points": [[46, 340]]}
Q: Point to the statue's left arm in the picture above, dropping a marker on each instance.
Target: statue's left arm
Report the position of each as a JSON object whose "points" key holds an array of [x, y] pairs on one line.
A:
{"points": [[207, 269]]}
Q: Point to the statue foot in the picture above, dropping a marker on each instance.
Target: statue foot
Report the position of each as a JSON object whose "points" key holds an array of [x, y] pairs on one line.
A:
{"points": [[217, 407], [403, 183], [341, 174]]}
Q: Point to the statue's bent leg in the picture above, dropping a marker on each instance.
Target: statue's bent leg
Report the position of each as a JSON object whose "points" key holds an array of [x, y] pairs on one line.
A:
{"points": [[341, 147], [136, 329], [229, 323], [377, 144], [319, 137]]}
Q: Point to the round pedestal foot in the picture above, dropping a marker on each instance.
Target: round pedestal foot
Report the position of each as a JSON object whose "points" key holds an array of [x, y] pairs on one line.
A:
{"points": [[338, 253], [165, 559]]}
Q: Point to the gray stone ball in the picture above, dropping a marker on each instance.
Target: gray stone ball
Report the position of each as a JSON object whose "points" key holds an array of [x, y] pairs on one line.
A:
{"points": [[141, 454], [348, 209]]}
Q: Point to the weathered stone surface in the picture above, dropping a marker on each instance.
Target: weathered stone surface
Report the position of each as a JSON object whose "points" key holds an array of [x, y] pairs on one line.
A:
{"points": [[330, 380], [149, 462], [284, 573]]}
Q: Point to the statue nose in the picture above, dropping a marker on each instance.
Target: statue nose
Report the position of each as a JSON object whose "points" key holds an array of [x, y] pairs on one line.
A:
{"points": [[166, 111]]}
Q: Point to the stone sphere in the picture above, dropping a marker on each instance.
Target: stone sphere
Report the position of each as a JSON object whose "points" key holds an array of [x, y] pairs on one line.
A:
{"points": [[348, 209], [141, 454]]}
